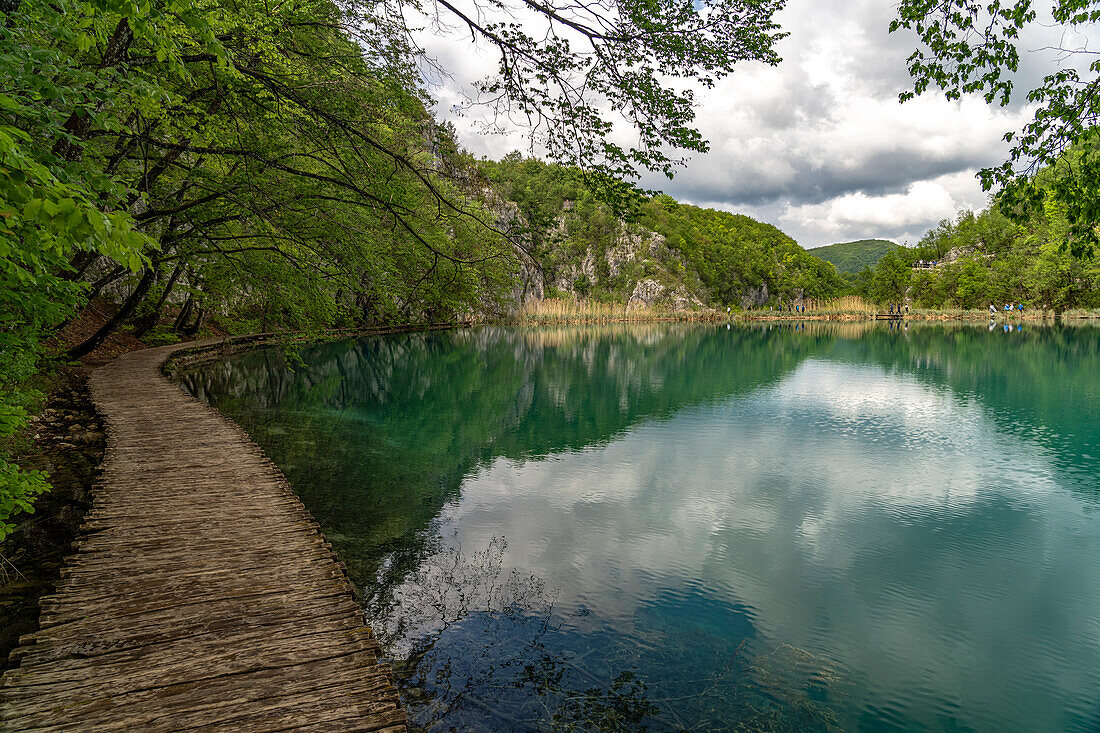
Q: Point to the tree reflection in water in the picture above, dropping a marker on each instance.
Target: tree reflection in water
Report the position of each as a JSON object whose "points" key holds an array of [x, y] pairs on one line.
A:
{"points": [[475, 645]]}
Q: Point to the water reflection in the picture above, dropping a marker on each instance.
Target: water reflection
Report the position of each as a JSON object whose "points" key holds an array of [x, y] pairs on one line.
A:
{"points": [[812, 524]]}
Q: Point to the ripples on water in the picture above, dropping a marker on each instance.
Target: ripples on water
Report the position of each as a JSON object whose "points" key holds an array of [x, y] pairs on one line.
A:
{"points": [[680, 527]]}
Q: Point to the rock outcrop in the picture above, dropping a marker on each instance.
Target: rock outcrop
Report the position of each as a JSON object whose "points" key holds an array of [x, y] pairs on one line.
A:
{"points": [[638, 265]]}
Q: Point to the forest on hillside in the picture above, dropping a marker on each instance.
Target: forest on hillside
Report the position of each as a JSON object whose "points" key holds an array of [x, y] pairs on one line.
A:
{"points": [[854, 256], [719, 258]]}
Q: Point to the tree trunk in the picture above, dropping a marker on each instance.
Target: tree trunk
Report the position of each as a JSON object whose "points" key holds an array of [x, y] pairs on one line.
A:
{"points": [[194, 327], [148, 277], [97, 286], [80, 263], [148, 321], [110, 277], [78, 125], [184, 314]]}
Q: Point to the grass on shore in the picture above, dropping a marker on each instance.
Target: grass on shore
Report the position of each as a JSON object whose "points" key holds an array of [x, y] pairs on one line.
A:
{"points": [[561, 310]]}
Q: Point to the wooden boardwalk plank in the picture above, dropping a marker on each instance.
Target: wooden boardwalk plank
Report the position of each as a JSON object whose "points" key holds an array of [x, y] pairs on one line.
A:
{"points": [[201, 593]]}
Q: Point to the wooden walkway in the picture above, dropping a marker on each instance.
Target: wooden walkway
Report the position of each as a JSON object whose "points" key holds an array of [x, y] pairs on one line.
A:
{"points": [[202, 595]]}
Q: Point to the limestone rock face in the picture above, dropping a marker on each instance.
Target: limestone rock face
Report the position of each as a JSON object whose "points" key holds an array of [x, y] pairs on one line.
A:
{"points": [[638, 261], [682, 300], [632, 246], [646, 292], [755, 297], [529, 285]]}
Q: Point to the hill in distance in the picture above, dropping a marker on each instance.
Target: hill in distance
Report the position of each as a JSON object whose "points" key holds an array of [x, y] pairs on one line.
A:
{"points": [[854, 256]]}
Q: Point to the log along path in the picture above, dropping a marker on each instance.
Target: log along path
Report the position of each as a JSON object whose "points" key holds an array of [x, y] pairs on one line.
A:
{"points": [[202, 596]]}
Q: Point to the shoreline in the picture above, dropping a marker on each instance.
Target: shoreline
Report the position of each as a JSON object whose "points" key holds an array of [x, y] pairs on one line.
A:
{"points": [[756, 316], [927, 316]]}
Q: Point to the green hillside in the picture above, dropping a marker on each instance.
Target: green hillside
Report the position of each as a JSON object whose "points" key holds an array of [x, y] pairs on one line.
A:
{"points": [[854, 256], [586, 249]]}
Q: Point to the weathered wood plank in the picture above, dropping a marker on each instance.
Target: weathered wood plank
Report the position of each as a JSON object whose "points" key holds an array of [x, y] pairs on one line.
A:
{"points": [[201, 594], [170, 624]]}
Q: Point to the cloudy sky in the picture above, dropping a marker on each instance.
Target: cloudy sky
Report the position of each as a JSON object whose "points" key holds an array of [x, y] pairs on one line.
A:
{"points": [[820, 145]]}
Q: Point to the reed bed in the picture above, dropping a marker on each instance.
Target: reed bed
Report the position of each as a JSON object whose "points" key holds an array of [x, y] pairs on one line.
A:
{"points": [[1082, 313], [848, 307], [852, 304], [562, 310], [558, 335], [565, 311]]}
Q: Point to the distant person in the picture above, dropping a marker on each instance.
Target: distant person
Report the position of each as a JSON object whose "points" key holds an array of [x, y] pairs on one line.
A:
{"points": [[992, 309], [891, 309], [906, 309]]}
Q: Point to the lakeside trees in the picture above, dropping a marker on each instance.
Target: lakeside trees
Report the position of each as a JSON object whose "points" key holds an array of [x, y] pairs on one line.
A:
{"points": [[275, 163], [256, 159], [987, 258]]}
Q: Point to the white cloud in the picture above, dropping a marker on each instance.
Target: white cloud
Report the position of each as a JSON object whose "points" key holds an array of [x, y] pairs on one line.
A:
{"points": [[819, 145], [922, 202], [900, 216]]}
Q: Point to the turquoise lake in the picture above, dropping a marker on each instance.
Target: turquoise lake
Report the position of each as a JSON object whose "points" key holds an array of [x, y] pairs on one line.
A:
{"points": [[670, 527]]}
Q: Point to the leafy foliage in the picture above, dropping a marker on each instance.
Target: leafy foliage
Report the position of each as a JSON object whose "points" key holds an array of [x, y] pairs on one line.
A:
{"points": [[198, 151], [735, 254], [574, 72], [275, 165], [987, 258], [969, 46]]}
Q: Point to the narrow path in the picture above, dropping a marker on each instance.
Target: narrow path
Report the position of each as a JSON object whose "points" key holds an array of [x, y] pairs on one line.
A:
{"points": [[202, 594]]}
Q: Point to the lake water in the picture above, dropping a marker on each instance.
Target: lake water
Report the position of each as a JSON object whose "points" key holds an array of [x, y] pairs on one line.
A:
{"points": [[819, 527]]}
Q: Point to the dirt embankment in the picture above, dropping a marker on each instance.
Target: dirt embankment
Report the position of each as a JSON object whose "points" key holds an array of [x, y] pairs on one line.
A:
{"points": [[68, 445]]}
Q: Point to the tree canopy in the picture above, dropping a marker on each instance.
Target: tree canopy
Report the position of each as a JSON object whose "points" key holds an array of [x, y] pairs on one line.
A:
{"points": [[971, 46], [575, 73]]}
